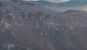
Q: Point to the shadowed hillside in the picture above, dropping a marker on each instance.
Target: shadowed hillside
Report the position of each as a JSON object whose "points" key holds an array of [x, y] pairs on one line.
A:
{"points": [[25, 26]]}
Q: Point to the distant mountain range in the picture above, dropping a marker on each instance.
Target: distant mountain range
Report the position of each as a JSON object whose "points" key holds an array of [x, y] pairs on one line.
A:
{"points": [[74, 5], [28, 26]]}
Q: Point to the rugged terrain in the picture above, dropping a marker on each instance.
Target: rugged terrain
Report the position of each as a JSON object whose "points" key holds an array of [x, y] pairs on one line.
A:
{"points": [[27, 26]]}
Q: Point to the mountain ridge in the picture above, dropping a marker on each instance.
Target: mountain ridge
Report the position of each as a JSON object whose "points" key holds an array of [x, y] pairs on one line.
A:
{"points": [[24, 28]]}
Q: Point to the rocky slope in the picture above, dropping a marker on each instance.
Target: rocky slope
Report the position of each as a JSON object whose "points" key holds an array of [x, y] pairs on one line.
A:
{"points": [[24, 27]]}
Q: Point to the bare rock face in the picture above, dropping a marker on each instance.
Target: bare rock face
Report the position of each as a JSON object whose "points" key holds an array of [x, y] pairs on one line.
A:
{"points": [[25, 27]]}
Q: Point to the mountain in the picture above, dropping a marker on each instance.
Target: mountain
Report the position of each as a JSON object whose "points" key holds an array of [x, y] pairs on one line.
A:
{"points": [[22, 6], [18, 22], [73, 4], [24, 27]]}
